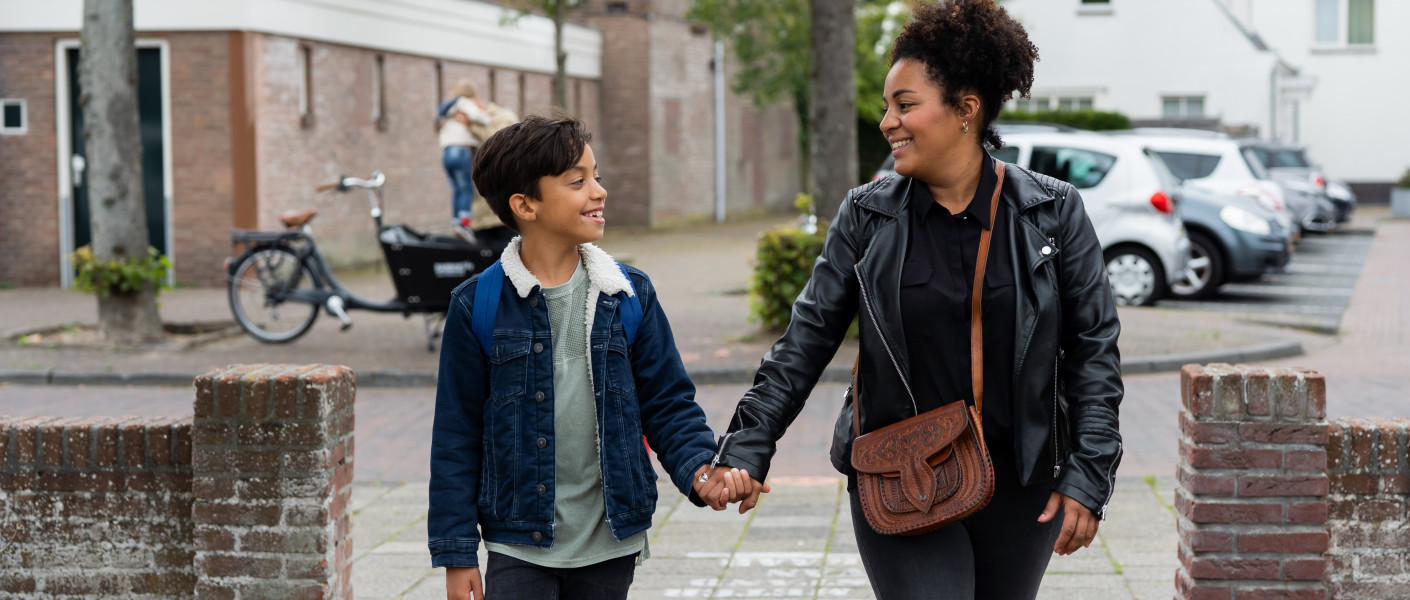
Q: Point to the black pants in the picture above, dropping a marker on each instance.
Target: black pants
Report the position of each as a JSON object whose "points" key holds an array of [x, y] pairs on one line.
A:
{"points": [[508, 578], [999, 552]]}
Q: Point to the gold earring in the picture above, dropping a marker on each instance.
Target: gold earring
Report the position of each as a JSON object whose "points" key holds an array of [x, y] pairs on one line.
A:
{"points": [[966, 126]]}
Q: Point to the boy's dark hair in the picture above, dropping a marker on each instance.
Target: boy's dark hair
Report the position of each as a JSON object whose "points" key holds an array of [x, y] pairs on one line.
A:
{"points": [[513, 159], [970, 46]]}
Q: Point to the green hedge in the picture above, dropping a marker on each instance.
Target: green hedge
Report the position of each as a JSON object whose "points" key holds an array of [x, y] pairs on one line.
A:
{"points": [[782, 266], [1095, 120]]}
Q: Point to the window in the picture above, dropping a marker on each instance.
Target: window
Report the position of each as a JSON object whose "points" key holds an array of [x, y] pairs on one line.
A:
{"points": [[1071, 104], [1008, 154], [305, 84], [1033, 104], [1182, 107], [1064, 103], [1278, 157], [1188, 165], [14, 119], [1345, 22], [379, 116], [1081, 168]]}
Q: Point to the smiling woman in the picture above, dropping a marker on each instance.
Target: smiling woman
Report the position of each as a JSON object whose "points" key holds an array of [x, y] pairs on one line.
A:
{"points": [[971, 278]]}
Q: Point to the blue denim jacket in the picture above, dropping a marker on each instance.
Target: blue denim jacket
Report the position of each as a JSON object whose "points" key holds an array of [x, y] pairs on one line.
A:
{"points": [[492, 453]]}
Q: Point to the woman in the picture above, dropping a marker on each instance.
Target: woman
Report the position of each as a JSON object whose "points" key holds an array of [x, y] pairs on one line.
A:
{"points": [[458, 150], [903, 250]]}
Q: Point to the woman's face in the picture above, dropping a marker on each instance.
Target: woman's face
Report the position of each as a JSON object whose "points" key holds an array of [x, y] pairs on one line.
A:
{"points": [[920, 126]]}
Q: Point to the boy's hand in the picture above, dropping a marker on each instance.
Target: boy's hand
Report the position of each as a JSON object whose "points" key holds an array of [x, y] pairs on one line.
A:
{"points": [[711, 490], [725, 485], [464, 583]]}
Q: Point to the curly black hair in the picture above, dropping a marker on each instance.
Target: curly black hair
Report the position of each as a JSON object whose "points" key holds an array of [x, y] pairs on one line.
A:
{"points": [[970, 46]]}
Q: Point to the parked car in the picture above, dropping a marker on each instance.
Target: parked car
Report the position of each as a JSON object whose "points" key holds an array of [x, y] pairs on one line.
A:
{"points": [[1216, 162], [1289, 164], [1232, 238]]}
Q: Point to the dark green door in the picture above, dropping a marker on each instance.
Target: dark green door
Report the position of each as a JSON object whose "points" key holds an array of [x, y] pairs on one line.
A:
{"points": [[149, 109]]}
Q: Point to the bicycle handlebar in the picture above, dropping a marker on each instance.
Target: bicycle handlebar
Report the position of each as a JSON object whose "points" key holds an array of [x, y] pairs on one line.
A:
{"points": [[345, 183]]}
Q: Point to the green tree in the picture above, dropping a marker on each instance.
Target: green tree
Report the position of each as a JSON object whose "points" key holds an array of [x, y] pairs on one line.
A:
{"points": [[558, 11], [771, 42]]}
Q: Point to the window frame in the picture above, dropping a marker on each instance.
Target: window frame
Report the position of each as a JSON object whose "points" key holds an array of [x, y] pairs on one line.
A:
{"points": [[1184, 106], [379, 87], [305, 91], [23, 127], [1342, 28]]}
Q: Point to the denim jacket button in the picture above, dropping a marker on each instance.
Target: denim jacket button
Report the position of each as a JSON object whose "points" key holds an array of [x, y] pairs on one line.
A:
{"points": [[542, 442], [538, 348], [534, 302], [538, 397], [541, 489], [537, 537]]}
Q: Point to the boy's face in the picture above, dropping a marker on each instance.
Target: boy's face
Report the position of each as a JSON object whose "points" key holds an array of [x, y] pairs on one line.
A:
{"points": [[571, 203]]}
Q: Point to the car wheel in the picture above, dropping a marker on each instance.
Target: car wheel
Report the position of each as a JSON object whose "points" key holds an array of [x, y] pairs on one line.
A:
{"points": [[1135, 276], [1205, 272]]}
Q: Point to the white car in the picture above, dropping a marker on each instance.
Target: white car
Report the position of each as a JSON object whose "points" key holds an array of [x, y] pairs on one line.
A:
{"points": [[1129, 197], [1217, 163]]}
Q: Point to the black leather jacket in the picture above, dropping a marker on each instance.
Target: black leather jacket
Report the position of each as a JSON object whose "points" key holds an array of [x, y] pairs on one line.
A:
{"points": [[1066, 381]]}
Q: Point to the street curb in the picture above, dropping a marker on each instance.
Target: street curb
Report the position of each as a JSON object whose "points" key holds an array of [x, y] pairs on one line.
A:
{"points": [[404, 378]]}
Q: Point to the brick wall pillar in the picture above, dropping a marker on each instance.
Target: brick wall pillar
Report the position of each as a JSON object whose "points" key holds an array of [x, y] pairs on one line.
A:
{"points": [[1252, 496], [1368, 519], [272, 460]]}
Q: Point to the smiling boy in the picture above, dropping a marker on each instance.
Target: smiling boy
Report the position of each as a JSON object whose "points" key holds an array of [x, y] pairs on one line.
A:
{"points": [[537, 443]]}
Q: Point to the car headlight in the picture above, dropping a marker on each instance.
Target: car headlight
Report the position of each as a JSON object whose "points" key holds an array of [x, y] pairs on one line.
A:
{"points": [[1243, 220]]}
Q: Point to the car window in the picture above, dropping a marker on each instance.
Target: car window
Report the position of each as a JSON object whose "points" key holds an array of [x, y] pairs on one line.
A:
{"points": [[1168, 181], [1008, 154], [1279, 157], [1189, 165], [1081, 168]]}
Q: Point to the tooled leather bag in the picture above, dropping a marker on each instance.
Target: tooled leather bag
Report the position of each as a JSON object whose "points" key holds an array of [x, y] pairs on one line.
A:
{"points": [[933, 469]]}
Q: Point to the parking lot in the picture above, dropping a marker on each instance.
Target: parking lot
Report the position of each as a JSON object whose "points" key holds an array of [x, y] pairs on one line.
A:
{"points": [[1312, 294]]}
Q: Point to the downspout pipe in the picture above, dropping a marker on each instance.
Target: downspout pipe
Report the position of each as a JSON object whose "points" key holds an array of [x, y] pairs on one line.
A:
{"points": [[719, 131]]}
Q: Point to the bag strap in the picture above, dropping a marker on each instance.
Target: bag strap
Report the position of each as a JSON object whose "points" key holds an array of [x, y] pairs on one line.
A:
{"points": [[976, 322], [486, 306]]}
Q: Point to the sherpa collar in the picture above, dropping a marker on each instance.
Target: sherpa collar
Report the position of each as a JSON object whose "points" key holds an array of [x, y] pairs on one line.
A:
{"points": [[602, 272]]}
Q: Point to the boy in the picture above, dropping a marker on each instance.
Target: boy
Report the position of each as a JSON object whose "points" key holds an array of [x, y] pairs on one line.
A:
{"points": [[538, 438]]}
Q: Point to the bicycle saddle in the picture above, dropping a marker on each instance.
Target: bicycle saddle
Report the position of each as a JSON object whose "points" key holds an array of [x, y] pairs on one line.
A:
{"points": [[296, 218]]}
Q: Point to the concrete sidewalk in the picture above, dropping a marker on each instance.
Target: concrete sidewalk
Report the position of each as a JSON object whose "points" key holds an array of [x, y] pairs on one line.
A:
{"points": [[701, 272], [797, 543]]}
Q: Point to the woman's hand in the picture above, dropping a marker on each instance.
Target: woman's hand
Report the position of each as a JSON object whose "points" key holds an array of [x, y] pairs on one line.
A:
{"points": [[464, 583], [1079, 525], [724, 485]]}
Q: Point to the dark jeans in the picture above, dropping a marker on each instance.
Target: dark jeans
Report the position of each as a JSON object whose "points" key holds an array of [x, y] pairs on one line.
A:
{"points": [[457, 161], [508, 578], [999, 552]]}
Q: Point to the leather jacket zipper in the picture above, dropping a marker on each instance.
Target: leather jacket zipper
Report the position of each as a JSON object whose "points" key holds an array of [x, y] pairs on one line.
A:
{"points": [[1057, 465], [866, 301]]}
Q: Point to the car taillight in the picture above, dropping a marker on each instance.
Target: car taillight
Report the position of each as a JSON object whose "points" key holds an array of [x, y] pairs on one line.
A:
{"points": [[1162, 202], [1318, 181]]}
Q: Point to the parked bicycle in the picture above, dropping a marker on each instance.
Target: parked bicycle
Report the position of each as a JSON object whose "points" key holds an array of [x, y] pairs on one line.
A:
{"points": [[281, 282]]}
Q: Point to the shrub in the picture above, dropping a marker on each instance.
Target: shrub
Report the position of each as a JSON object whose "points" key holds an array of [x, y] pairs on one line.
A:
{"points": [[117, 276], [1095, 120], [1404, 182], [781, 268]]}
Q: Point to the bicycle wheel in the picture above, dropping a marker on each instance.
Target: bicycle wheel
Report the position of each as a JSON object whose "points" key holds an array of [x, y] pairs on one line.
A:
{"points": [[260, 280]]}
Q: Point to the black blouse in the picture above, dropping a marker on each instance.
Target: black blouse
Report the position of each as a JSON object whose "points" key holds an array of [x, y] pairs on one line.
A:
{"points": [[935, 303]]}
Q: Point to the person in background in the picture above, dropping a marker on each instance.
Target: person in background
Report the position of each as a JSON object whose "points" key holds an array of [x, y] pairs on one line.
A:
{"points": [[458, 114]]}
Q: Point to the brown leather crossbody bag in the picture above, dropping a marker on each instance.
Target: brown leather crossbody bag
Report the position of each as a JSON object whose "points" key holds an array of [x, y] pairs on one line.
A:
{"points": [[932, 469]]}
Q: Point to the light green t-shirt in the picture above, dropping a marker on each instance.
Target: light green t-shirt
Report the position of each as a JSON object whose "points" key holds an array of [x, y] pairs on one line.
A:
{"points": [[581, 535]]}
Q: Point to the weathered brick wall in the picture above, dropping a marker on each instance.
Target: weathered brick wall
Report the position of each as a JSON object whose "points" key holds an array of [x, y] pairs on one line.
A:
{"points": [[682, 122], [247, 500], [1370, 490], [95, 507], [1251, 502], [29, 203], [272, 447]]}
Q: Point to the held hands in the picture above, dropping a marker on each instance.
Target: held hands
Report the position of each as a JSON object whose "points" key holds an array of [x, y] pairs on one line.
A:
{"points": [[1079, 525], [464, 583], [720, 486]]}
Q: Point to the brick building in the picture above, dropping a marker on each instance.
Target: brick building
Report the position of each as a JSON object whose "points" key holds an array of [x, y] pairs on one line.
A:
{"points": [[248, 104]]}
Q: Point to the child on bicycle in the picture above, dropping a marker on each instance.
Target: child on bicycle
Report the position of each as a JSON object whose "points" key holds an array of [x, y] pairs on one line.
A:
{"points": [[537, 440]]}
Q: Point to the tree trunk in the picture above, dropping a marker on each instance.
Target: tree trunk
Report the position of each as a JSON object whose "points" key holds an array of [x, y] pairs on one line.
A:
{"points": [[833, 136], [108, 76], [560, 79]]}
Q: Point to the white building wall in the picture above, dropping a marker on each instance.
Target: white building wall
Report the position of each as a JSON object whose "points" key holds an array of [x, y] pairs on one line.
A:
{"points": [[1137, 51], [1355, 122]]}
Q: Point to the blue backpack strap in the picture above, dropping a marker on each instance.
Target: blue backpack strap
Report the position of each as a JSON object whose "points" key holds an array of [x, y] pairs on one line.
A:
{"points": [[486, 305], [631, 309]]}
